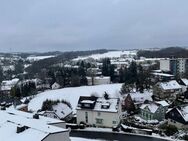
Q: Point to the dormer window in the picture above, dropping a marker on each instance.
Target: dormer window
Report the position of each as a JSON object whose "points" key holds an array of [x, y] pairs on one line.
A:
{"points": [[86, 105], [105, 105]]}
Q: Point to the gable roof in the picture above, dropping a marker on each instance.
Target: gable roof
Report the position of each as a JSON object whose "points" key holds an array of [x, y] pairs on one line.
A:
{"points": [[173, 84], [183, 112], [163, 103], [185, 81], [152, 107], [62, 110]]}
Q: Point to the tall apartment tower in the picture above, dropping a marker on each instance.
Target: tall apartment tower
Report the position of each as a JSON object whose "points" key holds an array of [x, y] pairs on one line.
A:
{"points": [[177, 66]]}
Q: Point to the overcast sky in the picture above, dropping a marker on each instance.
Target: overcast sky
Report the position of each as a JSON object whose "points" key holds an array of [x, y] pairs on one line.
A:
{"points": [[65, 25]]}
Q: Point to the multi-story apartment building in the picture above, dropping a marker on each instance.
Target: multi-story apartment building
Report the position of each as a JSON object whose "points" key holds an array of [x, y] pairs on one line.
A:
{"points": [[177, 66]]}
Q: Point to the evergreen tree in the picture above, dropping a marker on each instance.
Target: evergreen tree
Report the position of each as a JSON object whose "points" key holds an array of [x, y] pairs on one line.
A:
{"points": [[106, 96], [19, 67], [106, 67], [1, 74]]}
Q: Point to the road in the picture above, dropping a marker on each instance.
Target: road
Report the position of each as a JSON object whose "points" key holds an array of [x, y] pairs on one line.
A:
{"points": [[111, 136]]}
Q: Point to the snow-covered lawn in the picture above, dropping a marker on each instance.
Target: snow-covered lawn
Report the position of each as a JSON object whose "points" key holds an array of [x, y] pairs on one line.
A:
{"points": [[72, 94]]}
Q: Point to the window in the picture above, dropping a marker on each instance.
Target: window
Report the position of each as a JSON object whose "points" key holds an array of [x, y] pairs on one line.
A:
{"points": [[150, 117], [114, 122], [99, 121], [87, 105]]}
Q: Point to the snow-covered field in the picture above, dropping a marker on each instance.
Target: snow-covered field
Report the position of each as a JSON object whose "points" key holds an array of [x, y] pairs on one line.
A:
{"points": [[37, 58], [110, 54], [72, 94]]}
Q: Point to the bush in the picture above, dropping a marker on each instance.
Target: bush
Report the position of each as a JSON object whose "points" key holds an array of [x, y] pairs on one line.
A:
{"points": [[170, 130], [185, 137], [48, 104]]}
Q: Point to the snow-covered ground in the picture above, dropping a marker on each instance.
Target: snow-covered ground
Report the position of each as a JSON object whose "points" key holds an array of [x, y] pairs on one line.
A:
{"points": [[37, 58], [72, 94], [110, 54]]}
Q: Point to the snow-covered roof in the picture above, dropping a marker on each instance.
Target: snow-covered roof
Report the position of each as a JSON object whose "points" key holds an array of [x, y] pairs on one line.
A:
{"points": [[173, 84], [103, 105], [185, 81], [162, 74], [119, 63], [88, 101], [30, 116], [111, 102], [152, 107], [8, 84], [36, 129], [10, 67], [157, 71], [138, 97], [184, 112], [56, 86], [163, 103], [62, 110]]}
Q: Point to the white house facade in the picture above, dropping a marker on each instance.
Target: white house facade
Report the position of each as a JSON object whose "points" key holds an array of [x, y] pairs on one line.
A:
{"points": [[98, 111]]}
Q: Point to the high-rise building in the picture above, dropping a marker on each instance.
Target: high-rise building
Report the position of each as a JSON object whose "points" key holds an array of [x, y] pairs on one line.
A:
{"points": [[177, 66]]}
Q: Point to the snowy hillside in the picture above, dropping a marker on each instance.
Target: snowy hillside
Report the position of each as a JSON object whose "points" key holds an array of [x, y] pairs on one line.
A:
{"points": [[110, 54], [37, 58], [72, 94]]}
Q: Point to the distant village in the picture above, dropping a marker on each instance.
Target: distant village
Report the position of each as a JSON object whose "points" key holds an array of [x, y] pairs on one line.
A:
{"points": [[116, 90]]}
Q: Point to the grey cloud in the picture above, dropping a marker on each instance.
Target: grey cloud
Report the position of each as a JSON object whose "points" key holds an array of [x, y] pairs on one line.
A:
{"points": [[42, 25]]}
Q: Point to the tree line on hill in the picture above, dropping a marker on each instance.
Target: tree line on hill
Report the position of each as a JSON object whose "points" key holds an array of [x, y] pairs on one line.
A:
{"points": [[176, 52], [65, 76], [65, 56]]}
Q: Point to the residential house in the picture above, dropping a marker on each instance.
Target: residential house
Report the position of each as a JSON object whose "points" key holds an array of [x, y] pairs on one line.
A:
{"points": [[17, 125], [167, 90], [154, 110], [7, 85], [184, 84], [161, 77], [98, 80], [178, 117], [60, 111], [139, 98], [55, 86], [128, 104], [22, 107], [98, 111]]}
